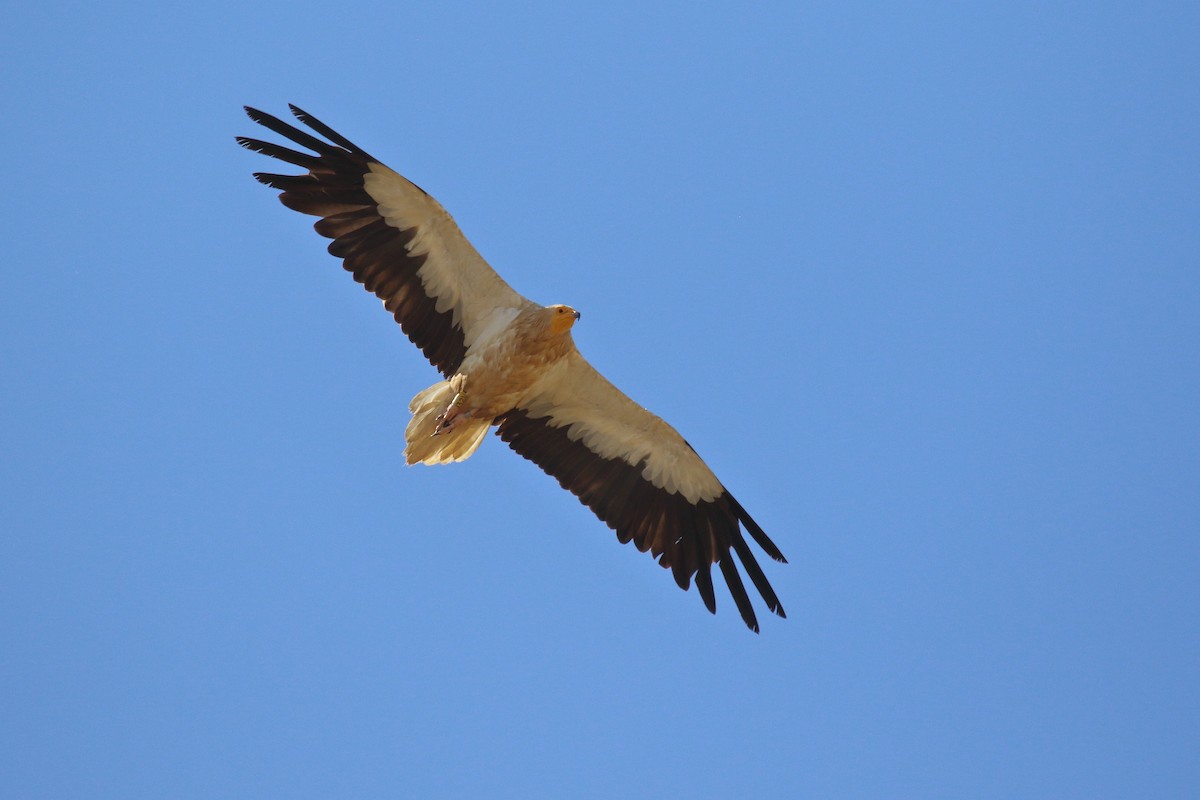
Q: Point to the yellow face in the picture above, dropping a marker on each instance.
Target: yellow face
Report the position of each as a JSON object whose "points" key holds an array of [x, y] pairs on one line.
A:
{"points": [[562, 318]]}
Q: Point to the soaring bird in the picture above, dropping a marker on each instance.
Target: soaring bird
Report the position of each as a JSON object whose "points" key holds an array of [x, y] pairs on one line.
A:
{"points": [[512, 363]]}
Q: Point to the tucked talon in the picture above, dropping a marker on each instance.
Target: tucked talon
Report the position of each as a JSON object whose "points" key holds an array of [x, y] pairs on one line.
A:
{"points": [[453, 414]]}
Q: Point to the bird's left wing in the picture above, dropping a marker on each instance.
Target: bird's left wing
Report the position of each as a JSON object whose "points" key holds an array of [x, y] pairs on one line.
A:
{"points": [[638, 475], [394, 238]]}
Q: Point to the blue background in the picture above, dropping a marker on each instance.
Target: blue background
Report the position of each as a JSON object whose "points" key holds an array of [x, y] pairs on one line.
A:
{"points": [[921, 284]]}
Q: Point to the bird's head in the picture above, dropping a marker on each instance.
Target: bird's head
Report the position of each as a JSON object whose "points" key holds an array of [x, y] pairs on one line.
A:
{"points": [[562, 318]]}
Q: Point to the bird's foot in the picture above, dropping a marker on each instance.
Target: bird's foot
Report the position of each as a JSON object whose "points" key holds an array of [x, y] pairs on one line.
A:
{"points": [[450, 418]]}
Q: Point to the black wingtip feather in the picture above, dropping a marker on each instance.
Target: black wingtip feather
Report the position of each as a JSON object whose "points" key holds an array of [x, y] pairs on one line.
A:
{"points": [[736, 588], [273, 123], [758, 533], [704, 586], [328, 132], [750, 563], [278, 151], [682, 579]]}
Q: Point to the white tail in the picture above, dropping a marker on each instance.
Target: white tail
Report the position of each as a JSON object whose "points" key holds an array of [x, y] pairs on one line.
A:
{"points": [[422, 447]]}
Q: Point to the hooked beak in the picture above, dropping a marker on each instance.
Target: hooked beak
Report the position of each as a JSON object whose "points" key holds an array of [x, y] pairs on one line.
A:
{"points": [[577, 316]]}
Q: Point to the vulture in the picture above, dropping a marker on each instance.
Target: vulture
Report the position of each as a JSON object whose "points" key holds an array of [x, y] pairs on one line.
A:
{"points": [[510, 363]]}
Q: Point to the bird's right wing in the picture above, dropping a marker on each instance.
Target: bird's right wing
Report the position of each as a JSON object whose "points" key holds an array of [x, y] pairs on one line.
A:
{"points": [[393, 237]]}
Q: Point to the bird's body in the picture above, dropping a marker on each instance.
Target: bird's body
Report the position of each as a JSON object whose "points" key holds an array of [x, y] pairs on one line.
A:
{"points": [[499, 371], [512, 363]]}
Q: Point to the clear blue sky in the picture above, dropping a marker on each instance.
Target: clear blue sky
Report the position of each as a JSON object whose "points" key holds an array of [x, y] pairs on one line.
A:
{"points": [[921, 284]]}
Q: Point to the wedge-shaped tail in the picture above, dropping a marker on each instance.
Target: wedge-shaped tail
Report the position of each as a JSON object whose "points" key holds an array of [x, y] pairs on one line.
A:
{"points": [[456, 444]]}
